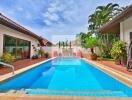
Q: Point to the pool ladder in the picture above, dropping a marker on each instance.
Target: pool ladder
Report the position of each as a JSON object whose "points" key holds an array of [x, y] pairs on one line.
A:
{"points": [[8, 65]]}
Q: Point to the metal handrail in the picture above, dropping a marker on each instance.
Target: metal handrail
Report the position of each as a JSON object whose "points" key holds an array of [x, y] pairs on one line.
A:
{"points": [[8, 65]]}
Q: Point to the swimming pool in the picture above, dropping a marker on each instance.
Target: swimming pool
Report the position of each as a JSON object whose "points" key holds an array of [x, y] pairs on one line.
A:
{"points": [[68, 77]]}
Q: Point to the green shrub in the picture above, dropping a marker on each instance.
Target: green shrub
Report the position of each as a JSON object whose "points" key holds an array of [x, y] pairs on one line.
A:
{"points": [[105, 55], [8, 58], [118, 51], [41, 52], [46, 54]]}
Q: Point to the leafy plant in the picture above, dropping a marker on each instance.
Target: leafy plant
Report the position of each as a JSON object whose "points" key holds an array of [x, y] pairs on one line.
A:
{"points": [[46, 54], [41, 52], [101, 16], [91, 42], [105, 55], [118, 51], [8, 58], [88, 41]]}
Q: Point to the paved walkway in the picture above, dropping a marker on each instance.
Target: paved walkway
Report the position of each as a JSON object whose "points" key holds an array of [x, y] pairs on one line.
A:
{"points": [[112, 64], [20, 64]]}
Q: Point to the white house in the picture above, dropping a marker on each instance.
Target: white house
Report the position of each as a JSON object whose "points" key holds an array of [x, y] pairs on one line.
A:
{"points": [[121, 24], [18, 40]]}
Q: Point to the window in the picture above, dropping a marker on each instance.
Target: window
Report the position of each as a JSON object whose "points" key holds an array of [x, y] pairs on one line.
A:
{"points": [[17, 47], [130, 36]]}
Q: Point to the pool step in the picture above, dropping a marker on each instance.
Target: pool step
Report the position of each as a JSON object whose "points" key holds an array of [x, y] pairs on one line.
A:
{"points": [[101, 93], [22, 91], [11, 91]]}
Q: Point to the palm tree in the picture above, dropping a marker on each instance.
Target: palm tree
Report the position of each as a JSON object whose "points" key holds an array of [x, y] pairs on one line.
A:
{"points": [[63, 44], [101, 16]]}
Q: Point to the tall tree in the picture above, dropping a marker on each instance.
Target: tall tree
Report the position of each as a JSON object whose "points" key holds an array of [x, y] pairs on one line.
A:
{"points": [[101, 16]]}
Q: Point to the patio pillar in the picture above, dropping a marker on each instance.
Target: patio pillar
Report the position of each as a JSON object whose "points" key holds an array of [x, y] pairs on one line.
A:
{"points": [[1, 44]]}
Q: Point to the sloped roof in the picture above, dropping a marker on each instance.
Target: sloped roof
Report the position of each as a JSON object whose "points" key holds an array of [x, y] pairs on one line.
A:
{"points": [[45, 42], [13, 25], [114, 24]]}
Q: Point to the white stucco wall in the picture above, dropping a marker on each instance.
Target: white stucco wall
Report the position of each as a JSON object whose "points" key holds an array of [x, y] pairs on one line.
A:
{"points": [[8, 31], [125, 29], [74, 48]]}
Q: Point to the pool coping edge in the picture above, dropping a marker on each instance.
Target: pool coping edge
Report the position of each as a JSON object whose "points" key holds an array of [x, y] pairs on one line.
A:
{"points": [[120, 76], [20, 71]]}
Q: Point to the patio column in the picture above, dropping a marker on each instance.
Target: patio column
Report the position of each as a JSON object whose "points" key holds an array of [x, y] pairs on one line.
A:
{"points": [[1, 44]]}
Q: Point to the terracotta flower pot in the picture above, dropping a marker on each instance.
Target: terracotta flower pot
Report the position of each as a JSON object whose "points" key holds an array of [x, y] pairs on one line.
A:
{"points": [[93, 57]]}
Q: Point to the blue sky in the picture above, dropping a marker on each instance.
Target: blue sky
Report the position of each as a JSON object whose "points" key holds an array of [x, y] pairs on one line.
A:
{"points": [[53, 17]]}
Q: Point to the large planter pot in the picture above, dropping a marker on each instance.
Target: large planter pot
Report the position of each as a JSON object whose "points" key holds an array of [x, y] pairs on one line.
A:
{"points": [[79, 54], [93, 57]]}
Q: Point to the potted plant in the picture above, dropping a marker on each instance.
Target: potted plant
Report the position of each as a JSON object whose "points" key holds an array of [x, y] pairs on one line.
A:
{"points": [[93, 56], [46, 54], [118, 52], [89, 41], [92, 43], [35, 57]]}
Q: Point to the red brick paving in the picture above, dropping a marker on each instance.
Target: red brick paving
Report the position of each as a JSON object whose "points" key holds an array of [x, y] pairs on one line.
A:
{"points": [[20, 64]]}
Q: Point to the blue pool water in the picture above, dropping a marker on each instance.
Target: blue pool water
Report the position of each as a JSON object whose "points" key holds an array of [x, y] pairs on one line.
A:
{"points": [[69, 77]]}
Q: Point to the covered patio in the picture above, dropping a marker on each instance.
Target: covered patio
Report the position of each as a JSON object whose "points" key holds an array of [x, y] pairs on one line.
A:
{"points": [[121, 24], [116, 24]]}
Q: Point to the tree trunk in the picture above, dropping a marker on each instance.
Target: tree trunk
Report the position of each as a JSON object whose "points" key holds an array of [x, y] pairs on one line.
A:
{"points": [[92, 50]]}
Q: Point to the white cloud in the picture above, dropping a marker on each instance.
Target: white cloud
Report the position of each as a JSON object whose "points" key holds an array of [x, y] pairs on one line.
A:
{"points": [[55, 7], [48, 22], [60, 16], [52, 11], [51, 16]]}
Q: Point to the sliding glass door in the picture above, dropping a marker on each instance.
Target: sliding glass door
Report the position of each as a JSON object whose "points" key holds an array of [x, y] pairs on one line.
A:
{"points": [[17, 47]]}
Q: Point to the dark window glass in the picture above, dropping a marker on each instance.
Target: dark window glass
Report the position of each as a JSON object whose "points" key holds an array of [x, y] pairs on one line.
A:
{"points": [[17, 47], [10, 41], [130, 35]]}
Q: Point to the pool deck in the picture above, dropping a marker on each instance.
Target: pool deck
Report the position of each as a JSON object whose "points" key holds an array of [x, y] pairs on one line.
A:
{"points": [[112, 65], [4, 96], [21, 64], [123, 77], [8, 76]]}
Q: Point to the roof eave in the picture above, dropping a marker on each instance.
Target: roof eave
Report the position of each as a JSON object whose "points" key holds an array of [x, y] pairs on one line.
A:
{"points": [[114, 24]]}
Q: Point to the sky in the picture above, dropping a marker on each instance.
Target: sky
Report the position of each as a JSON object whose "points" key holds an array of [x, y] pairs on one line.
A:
{"points": [[51, 18]]}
